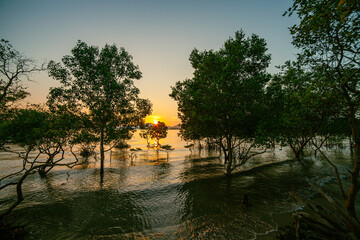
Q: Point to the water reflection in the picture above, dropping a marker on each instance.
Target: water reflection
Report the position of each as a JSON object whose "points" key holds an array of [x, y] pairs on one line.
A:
{"points": [[149, 196]]}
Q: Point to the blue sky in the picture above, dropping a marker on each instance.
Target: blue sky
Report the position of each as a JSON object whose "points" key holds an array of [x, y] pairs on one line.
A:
{"points": [[158, 34]]}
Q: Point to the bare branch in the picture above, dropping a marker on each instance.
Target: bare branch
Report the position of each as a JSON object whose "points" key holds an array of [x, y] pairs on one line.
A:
{"points": [[8, 184], [348, 218], [348, 78], [335, 170], [115, 143], [247, 157], [315, 209], [12, 174]]}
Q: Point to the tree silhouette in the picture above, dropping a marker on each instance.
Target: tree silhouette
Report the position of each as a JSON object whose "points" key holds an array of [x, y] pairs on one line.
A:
{"points": [[13, 67], [99, 86], [158, 131]]}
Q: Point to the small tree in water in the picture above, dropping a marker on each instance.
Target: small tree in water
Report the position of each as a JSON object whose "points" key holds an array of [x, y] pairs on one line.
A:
{"points": [[167, 148], [145, 133], [158, 131]]}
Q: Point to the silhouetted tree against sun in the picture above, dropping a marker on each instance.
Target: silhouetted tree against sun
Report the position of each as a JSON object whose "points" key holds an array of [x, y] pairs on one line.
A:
{"points": [[158, 131], [99, 85]]}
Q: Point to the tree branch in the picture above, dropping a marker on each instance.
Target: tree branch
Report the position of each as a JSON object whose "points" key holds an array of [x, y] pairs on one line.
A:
{"points": [[335, 170], [354, 224]]}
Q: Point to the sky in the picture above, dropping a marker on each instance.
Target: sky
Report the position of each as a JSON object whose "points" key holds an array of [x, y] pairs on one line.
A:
{"points": [[159, 34]]}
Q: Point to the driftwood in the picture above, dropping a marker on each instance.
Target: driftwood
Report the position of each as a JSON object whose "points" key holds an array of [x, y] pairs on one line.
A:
{"points": [[327, 222], [350, 220]]}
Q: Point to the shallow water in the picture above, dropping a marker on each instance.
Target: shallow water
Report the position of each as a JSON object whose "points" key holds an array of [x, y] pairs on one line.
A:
{"points": [[153, 196]]}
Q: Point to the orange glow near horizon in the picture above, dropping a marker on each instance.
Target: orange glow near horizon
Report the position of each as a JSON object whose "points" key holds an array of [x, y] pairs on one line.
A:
{"points": [[155, 119], [168, 120]]}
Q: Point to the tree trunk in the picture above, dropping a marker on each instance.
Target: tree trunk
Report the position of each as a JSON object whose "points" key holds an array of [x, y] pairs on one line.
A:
{"points": [[20, 196], [224, 151], [102, 154], [230, 158], [296, 152], [354, 187], [351, 144], [42, 170]]}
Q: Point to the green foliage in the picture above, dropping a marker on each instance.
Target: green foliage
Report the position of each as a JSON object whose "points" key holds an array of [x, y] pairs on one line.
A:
{"points": [[35, 127], [86, 152], [167, 148], [99, 86], [145, 133], [135, 149], [26, 127], [189, 145], [225, 97], [300, 105], [329, 37], [39, 133], [154, 131], [220, 97], [324, 21]]}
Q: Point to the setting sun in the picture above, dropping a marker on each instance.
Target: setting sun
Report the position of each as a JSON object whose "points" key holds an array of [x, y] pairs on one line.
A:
{"points": [[154, 119], [187, 120]]}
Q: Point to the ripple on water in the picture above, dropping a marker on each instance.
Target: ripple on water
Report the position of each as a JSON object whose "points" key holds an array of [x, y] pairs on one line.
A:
{"points": [[151, 197]]}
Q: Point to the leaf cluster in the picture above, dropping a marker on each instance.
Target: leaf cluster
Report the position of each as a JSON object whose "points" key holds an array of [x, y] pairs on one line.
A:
{"points": [[99, 86], [329, 37], [36, 128], [300, 103], [158, 131], [226, 94]]}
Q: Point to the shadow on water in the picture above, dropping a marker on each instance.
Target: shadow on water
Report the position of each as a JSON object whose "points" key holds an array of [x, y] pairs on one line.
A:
{"points": [[214, 208], [149, 196]]}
